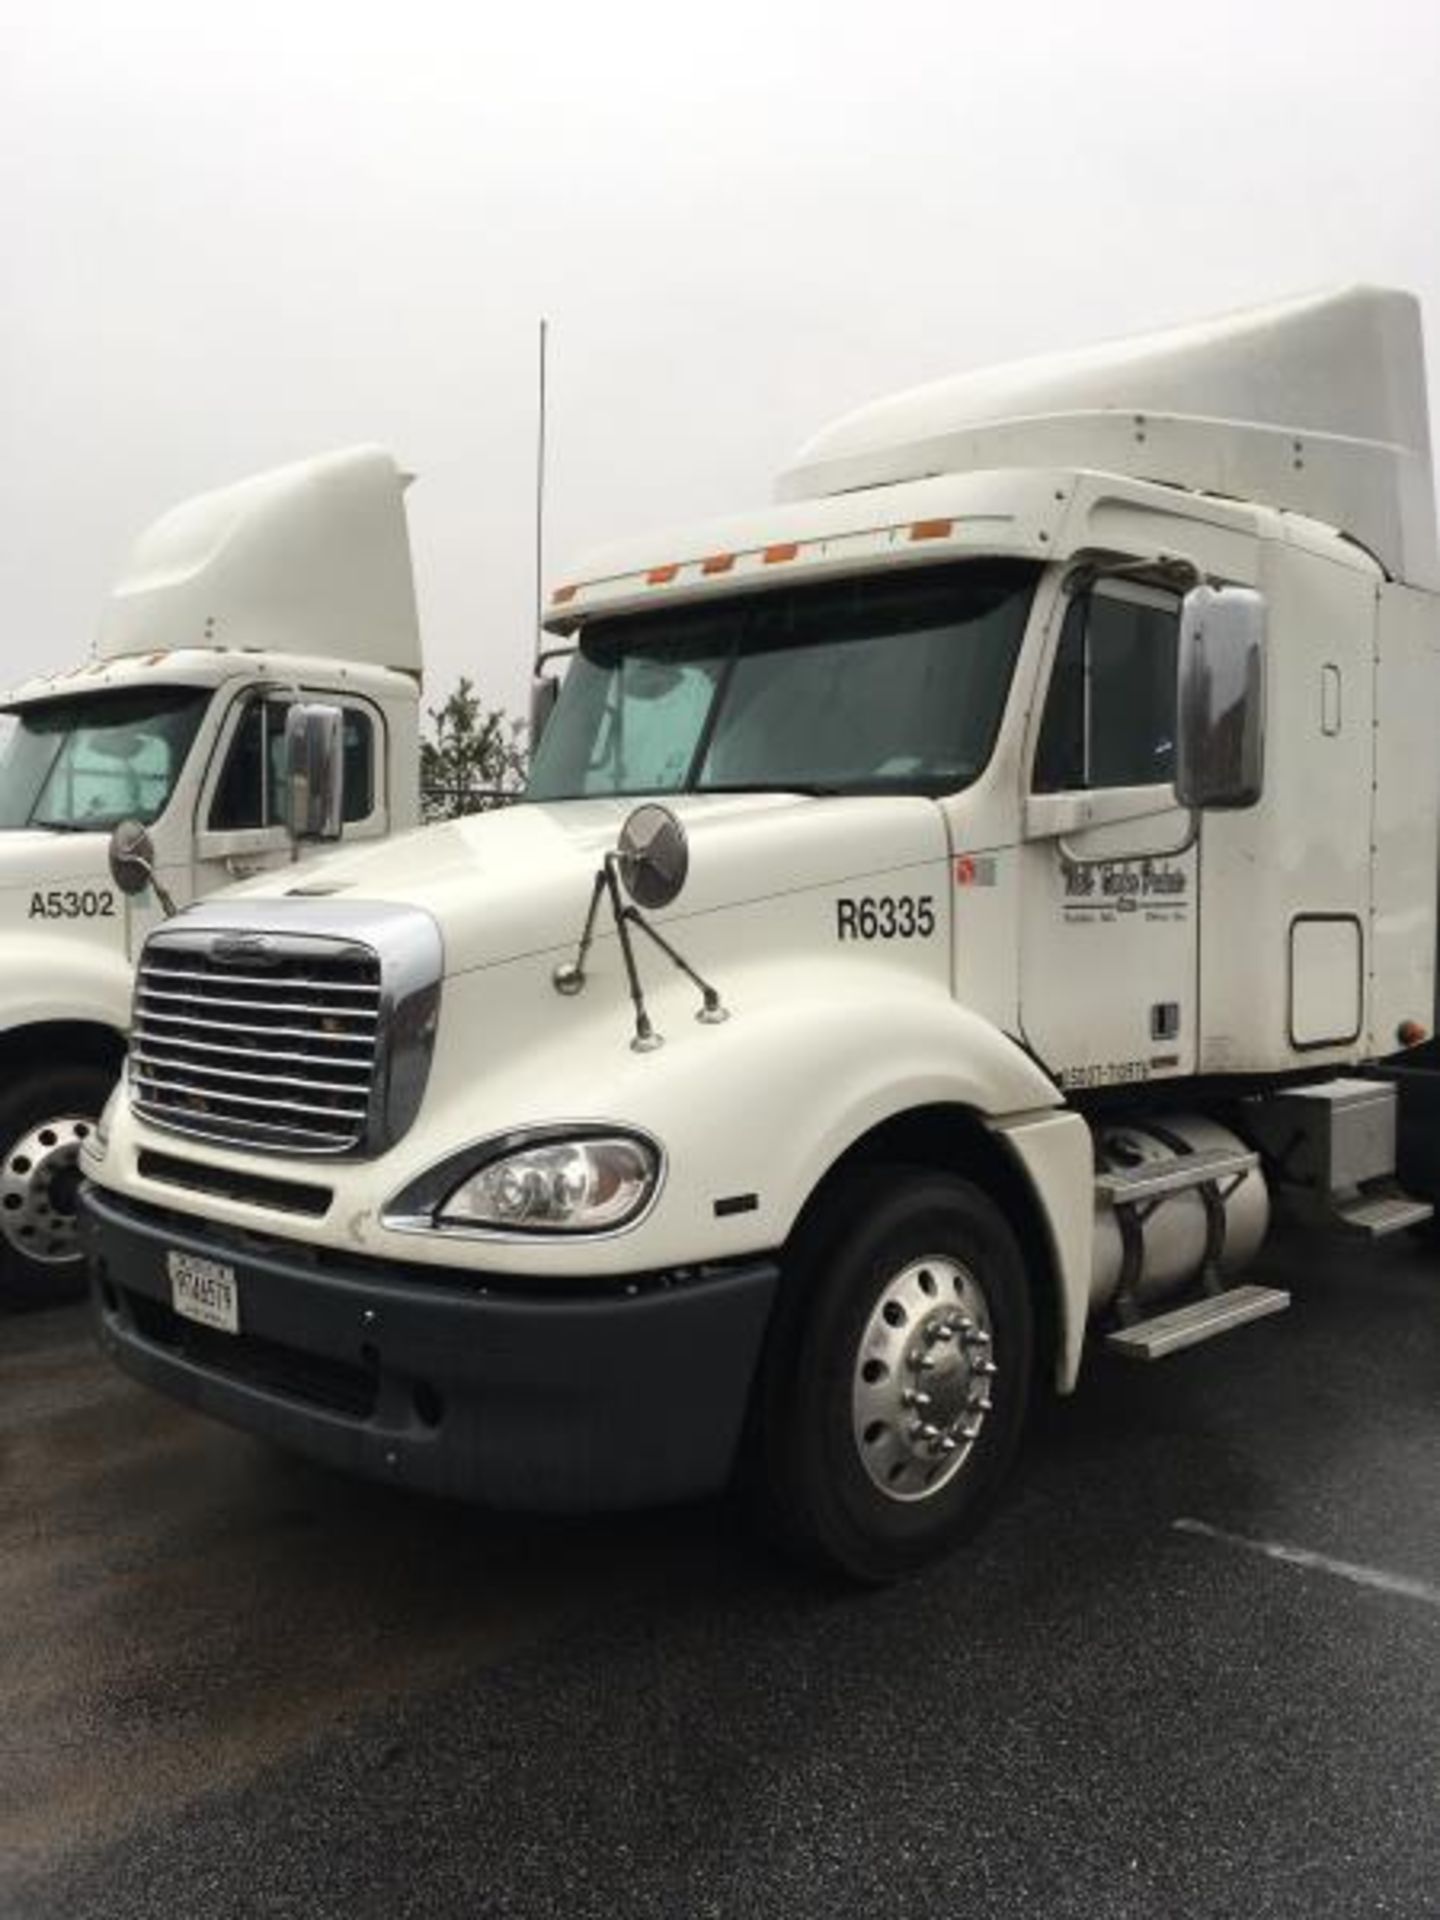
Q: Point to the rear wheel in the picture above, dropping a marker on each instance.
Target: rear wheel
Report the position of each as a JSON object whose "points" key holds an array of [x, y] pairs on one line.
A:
{"points": [[897, 1394], [44, 1119]]}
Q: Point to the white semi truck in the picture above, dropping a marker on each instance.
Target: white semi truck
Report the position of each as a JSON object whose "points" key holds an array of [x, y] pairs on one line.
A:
{"points": [[291, 587], [952, 911]]}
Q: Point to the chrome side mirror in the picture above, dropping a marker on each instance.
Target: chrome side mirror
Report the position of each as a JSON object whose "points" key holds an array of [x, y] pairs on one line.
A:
{"points": [[653, 856], [1220, 699], [315, 772], [131, 855]]}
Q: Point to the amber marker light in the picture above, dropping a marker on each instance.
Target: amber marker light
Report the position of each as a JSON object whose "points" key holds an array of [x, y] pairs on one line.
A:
{"points": [[717, 563], [1410, 1033], [932, 529], [662, 576], [562, 594], [782, 550]]}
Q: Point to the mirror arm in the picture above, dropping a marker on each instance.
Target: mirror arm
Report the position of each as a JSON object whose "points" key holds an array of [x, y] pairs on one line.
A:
{"points": [[646, 1039], [157, 885], [1071, 859], [569, 978], [712, 1012]]}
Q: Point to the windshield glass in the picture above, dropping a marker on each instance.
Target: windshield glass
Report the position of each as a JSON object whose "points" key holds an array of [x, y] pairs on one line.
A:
{"points": [[87, 761], [884, 684]]}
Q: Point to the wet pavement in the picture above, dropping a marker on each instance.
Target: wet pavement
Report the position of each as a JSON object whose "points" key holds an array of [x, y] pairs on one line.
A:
{"points": [[1192, 1668]]}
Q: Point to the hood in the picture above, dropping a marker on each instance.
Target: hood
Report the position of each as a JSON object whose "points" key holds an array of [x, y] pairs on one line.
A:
{"points": [[518, 881]]}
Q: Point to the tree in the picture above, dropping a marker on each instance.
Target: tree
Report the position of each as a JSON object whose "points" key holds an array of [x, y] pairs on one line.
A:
{"points": [[475, 759]]}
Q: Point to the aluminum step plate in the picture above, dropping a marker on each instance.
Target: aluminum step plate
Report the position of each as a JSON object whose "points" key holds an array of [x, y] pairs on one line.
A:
{"points": [[1382, 1213], [1203, 1319], [1155, 1177]]}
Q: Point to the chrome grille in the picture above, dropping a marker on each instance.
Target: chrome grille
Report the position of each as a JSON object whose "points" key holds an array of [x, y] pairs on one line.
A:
{"points": [[270, 1041]]}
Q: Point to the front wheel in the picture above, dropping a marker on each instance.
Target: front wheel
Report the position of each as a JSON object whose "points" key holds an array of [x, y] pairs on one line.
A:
{"points": [[44, 1118], [897, 1394]]}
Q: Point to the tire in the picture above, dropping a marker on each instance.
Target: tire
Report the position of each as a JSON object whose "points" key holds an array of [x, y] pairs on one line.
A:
{"points": [[44, 1117], [848, 1477]]}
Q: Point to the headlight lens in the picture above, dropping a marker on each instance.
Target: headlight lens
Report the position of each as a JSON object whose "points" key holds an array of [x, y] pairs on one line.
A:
{"points": [[561, 1186]]}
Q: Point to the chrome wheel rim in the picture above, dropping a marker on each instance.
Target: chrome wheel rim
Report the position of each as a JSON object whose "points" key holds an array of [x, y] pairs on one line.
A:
{"points": [[38, 1184], [924, 1371]]}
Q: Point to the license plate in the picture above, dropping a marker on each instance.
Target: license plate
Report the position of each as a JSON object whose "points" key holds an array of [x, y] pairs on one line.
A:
{"points": [[204, 1290]]}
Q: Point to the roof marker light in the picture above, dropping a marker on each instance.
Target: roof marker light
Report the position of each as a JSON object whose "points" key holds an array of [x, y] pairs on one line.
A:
{"points": [[561, 594], [782, 550], [717, 563], [932, 529], [661, 576]]}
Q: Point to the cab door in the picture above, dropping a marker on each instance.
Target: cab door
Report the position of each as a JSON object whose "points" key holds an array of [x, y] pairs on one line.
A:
{"points": [[1109, 913], [241, 828]]}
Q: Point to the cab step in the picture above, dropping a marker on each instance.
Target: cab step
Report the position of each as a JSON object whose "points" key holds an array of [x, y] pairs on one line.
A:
{"points": [[1187, 1326], [1377, 1214], [1152, 1179]]}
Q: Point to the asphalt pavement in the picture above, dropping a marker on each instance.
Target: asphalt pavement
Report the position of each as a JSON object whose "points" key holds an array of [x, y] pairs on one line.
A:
{"points": [[1192, 1667]]}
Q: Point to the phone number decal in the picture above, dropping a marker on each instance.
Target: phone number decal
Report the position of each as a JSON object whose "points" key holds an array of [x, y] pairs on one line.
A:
{"points": [[1112, 1073]]}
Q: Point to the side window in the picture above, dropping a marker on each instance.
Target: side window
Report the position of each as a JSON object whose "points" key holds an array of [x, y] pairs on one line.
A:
{"points": [[251, 789], [359, 751], [1109, 716]]}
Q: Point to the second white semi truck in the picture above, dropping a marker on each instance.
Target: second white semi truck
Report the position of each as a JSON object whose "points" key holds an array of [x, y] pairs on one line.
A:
{"points": [[294, 586], [953, 911]]}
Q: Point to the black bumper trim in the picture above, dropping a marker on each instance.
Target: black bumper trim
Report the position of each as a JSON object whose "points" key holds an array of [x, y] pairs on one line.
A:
{"points": [[568, 1404]]}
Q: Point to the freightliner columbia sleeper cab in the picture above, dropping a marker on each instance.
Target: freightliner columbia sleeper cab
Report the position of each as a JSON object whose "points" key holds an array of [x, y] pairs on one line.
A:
{"points": [[234, 610], [952, 910]]}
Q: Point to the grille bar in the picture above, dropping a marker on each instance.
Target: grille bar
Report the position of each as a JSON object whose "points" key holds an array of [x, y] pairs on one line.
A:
{"points": [[279, 1033], [332, 1063], [192, 1098], [268, 981], [158, 1067], [257, 1005], [214, 1048]]}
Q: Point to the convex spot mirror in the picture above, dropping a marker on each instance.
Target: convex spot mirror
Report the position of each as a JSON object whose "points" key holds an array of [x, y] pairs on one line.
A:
{"points": [[653, 856], [1220, 699], [132, 857], [314, 771]]}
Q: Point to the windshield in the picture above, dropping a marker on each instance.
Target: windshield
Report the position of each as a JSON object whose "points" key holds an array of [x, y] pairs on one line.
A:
{"points": [[884, 684], [83, 763]]}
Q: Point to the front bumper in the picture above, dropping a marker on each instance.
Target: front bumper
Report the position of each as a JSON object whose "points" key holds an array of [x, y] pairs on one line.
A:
{"points": [[547, 1399]]}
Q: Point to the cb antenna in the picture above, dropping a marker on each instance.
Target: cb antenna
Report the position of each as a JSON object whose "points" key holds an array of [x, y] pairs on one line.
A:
{"points": [[540, 504]]}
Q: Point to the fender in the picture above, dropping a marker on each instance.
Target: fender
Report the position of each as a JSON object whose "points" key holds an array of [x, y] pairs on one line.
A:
{"points": [[48, 977], [751, 1115]]}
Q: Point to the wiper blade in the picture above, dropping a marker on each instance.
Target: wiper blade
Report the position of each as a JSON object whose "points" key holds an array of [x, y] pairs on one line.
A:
{"points": [[810, 788]]}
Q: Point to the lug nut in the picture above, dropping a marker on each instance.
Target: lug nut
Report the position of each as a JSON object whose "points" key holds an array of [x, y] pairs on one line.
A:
{"points": [[913, 1397]]}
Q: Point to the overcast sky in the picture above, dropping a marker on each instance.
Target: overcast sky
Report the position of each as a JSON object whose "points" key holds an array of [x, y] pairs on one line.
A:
{"points": [[235, 236]]}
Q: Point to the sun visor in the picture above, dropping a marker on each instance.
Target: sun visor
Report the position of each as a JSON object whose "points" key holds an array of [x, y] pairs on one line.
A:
{"points": [[312, 558]]}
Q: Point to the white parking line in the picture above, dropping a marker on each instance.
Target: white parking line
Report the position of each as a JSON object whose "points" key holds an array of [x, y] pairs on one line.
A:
{"points": [[1376, 1577]]}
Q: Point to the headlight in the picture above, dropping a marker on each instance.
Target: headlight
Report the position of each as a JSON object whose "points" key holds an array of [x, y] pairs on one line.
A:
{"points": [[557, 1186]]}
